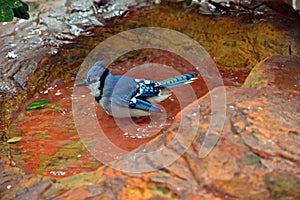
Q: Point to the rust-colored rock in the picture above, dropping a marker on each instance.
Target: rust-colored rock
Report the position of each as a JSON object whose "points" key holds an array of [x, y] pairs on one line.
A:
{"points": [[279, 72], [245, 154]]}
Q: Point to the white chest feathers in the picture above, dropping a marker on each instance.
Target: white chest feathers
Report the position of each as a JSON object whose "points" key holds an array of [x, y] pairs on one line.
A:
{"points": [[94, 87]]}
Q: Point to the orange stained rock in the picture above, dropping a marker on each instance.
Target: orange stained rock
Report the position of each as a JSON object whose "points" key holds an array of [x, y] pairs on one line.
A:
{"points": [[78, 193]]}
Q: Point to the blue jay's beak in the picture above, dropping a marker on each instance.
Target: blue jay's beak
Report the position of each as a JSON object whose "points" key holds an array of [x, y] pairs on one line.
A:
{"points": [[83, 83]]}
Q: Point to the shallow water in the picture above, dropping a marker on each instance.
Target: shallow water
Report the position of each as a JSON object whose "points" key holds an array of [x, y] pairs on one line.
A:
{"points": [[50, 143]]}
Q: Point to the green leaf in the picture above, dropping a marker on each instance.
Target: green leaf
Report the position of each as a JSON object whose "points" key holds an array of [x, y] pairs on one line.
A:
{"points": [[14, 139], [6, 14], [12, 3], [188, 2], [11, 8], [37, 104], [21, 11]]}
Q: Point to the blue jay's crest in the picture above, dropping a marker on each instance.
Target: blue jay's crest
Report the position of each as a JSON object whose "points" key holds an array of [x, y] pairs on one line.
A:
{"points": [[95, 73], [123, 96]]}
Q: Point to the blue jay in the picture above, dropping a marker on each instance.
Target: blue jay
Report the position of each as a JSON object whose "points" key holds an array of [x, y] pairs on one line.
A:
{"points": [[123, 96]]}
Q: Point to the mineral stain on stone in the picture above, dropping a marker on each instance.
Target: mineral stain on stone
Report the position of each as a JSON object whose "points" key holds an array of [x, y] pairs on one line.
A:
{"points": [[50, 144]]}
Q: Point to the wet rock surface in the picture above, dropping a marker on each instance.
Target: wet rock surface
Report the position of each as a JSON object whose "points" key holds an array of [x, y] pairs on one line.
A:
{"points": [[256, 155]]}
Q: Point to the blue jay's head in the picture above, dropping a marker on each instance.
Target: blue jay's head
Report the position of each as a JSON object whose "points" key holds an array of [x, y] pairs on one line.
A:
{"points": [[95, 74]]}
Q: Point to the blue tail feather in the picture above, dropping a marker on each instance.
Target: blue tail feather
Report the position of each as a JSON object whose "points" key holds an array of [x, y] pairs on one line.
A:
{"points": [[178, 80]]}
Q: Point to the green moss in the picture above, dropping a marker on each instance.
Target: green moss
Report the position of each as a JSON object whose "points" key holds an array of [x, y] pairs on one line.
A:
{"points": [[162, 191], [57, 108], [283, 186], [250, 158], [43, 134], [64, 157]]}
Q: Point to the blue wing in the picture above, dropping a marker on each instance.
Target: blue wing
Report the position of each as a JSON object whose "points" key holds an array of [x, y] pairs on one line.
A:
{"points": [[147, 88], [131, 93]]}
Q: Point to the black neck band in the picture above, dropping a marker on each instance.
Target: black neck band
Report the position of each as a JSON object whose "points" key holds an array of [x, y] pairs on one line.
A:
{"points": [[102, 81]]}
